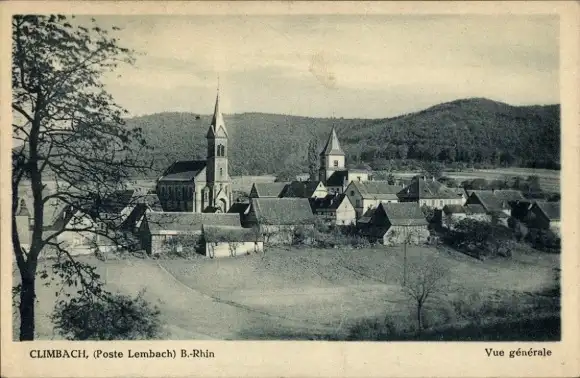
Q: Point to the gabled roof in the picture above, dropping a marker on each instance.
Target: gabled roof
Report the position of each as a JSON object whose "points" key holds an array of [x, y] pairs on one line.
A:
{"points": [[217, 121], [116, 201], [188, 222], [498, 200], [509, 195], [151, 200], [474, 209], [332, 146], [337, 178], [239, 207], [329, 202], [467, 209], [404, 214], [22, 210], [183, 170], [282, 211], [376, 189], [215, 234], [301, 189], [269, 189], [424, 189], [551, 210]]}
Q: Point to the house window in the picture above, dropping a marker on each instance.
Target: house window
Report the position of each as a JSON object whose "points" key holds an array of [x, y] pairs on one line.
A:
{"points": [[352, 192], [358, 177], [441, 203], [336, 163]]}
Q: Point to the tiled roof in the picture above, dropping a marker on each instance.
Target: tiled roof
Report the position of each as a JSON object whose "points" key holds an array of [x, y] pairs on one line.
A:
{"points": [[301, 189], [509, 195], [269, 189], [337, 178], [188, 222], [497, 200], [474, 209], [282, 211], [332, 146], [330, 202], [404, 214], [550, 209], [214, 234], [183, 170], [424, 189], [377, 189], [239, 207]]}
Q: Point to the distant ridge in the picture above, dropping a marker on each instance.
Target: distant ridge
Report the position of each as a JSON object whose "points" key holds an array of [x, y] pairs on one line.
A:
{"points": [[472, 130]]}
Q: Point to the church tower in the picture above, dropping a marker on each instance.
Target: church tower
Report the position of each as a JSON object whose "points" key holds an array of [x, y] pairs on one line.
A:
{"points": [[331, 157], [219, 185]]}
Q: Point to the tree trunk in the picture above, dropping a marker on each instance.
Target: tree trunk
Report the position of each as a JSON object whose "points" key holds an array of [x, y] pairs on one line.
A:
{"points": [[419, 317], [26, 308]]}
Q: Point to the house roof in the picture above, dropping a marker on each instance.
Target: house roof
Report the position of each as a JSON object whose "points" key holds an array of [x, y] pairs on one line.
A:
{"points": [[183, 170], [550, 209], [214, 234], [329, 202], [151, 200], [282, 211], [239, 207], [301, 189], [404, 214], [498, 200], [424, 189], [332, 146], [188, 222], [376, 189], [116, 201], [474, 209], [337, 178], [269, 189]]}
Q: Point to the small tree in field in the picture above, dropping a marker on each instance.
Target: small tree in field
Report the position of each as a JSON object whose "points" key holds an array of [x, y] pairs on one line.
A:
{"points": [[426, 277], [69, 131]]}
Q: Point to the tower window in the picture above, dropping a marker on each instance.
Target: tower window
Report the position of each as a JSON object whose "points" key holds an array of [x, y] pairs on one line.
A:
{"points": [[336, 163], [221, 172], [221, 150]]}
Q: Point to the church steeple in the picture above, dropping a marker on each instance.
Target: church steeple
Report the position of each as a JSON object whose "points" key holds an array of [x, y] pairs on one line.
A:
{"points": [[332, 146], [217, 122]]}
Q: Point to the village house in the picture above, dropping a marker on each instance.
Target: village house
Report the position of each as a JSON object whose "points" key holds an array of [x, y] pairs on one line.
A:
{"points": [[366, 195], [429, 193], [267, 189], [545, 215], [455, 213], [332, 171], [334, 209], [231, 241], [394, 223], [279, 219], [242, 209], [200, 185], [496, 201], [162, 232], [304, 189]]}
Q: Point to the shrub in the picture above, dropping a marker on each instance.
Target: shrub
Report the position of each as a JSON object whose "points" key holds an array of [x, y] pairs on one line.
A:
{"points": [[115, 317], [543, 240]]}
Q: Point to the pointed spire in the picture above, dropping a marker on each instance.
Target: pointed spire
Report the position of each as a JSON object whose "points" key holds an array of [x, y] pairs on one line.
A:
{"points": [[332, 146], [217, 121]]}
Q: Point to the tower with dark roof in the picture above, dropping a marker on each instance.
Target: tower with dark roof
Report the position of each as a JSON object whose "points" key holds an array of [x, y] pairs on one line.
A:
{"points": [[331, 157], [218, 178]]}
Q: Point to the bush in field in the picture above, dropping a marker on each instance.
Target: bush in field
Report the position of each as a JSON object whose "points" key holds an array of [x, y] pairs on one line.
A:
{"points": [[544, 240], [481, 239], [114, 317]]}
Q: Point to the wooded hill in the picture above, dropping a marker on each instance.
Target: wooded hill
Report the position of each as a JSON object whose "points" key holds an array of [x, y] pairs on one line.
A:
{"points": [[473, 131]]}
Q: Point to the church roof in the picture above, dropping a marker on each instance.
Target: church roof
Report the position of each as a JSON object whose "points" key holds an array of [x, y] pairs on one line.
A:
{"points": [[217, 120], [332, 146], [183, 170]]}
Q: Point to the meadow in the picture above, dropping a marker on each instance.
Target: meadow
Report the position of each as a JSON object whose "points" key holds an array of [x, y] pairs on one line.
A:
{"points": [[299, 293]]}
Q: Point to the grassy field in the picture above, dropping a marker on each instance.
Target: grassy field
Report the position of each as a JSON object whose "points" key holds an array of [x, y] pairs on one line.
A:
{"points": [[299, 293]]}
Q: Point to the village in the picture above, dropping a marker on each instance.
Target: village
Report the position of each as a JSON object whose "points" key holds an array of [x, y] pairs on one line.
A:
{"points": [[194, 209]]}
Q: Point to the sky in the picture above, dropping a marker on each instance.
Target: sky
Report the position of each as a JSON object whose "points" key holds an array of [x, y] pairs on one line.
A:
{"points": [[368, 66]]}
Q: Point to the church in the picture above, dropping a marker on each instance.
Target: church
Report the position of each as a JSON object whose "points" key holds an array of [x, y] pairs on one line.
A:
{"points": [[200, 186], [332, 172]]}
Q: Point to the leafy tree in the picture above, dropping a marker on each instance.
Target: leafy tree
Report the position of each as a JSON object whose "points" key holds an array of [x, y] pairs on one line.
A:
{"points": [[118, 317], [402, 151], [69, 130], [313, 160], [433, 169]]}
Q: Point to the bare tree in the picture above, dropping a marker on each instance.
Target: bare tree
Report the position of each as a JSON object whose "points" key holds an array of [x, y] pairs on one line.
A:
{"points": [[68, 130], [426, 277]]}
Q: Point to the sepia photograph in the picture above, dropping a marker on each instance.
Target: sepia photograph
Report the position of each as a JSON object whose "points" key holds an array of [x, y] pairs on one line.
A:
{"points": [[339, 178]]}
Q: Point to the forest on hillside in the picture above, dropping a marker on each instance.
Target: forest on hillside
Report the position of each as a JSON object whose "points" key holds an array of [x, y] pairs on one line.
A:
{"points": [[472, 132]]}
